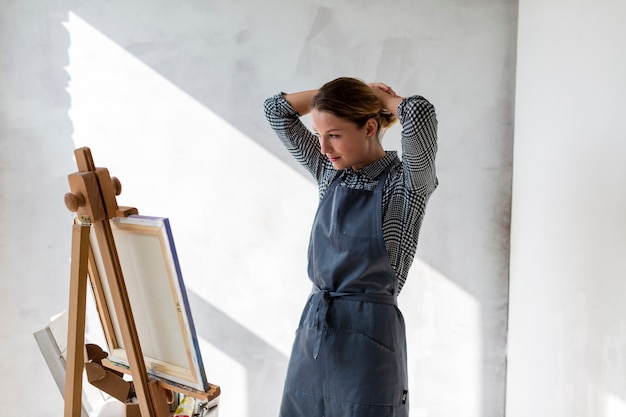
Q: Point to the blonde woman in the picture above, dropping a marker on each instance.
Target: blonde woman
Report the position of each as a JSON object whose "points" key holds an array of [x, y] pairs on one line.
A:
{"points": [[349, 356]]}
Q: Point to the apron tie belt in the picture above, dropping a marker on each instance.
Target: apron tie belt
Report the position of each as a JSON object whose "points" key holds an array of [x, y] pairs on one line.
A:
{"points": [[323, 297]]}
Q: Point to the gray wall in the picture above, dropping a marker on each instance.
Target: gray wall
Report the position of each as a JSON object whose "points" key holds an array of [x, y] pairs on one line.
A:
{"points": [[169, 95]]}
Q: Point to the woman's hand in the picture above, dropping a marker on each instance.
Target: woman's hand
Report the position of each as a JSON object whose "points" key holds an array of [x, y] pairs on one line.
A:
{"points": [[389, 100], [382, 87]]}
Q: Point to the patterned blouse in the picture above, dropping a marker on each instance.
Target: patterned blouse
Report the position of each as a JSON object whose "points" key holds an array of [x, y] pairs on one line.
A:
{"points": [[409, 184]]}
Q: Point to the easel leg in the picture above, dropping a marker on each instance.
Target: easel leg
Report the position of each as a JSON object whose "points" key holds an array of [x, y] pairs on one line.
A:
{"points": [[75, 359], [159, 399]]}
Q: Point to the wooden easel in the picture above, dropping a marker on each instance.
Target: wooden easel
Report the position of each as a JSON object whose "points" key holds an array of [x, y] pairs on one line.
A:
{"points": [[93, 198]]}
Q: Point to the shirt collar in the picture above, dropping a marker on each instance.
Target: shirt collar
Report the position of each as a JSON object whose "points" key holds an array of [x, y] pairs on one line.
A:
{"points": [[373, 170]]}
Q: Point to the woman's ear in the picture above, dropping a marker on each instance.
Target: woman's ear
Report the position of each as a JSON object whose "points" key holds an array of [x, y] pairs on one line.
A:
{"points": [[371, 127]]}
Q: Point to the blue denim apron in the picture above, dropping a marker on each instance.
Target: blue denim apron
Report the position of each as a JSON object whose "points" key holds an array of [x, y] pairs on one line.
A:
{"points": [[349, 354]]}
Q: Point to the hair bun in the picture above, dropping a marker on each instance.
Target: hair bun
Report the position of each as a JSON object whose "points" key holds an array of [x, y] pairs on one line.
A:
{"points": [[387, 119]]}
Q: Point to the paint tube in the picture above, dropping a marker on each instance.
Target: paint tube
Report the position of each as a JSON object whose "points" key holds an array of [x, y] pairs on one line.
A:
{"points": [[185, 408]]}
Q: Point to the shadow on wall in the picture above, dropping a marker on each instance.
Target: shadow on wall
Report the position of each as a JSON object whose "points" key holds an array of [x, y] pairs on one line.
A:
{"points": [[35, 157]]}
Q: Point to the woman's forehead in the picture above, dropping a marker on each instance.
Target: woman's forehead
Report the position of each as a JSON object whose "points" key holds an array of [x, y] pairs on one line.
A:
{"points": [[324, 121]]}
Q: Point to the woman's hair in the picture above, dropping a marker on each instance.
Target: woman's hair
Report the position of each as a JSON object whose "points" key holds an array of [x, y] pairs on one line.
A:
{"points": [[353, 100]]}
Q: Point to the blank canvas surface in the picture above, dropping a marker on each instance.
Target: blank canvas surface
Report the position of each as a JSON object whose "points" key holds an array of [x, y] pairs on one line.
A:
{"points": [[158, 300]]}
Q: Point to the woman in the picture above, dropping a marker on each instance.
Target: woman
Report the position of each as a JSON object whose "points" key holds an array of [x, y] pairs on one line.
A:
{"points": [[349, 354]]}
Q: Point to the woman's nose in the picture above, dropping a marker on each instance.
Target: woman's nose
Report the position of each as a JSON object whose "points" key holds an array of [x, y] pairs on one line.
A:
{"points": [[324, 146]]}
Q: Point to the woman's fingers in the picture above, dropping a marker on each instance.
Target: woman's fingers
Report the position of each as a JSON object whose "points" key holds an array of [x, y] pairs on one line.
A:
{"points": [[384, 87]]}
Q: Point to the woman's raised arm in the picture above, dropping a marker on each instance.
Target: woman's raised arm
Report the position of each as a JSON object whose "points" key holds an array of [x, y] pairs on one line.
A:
{"points": [[301, 101]]}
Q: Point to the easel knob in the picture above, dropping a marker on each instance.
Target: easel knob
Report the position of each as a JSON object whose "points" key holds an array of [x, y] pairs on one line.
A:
{"points": [[73, 201], [117, 185]]}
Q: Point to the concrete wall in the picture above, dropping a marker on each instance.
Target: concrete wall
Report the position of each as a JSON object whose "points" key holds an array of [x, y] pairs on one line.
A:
{"points": [[168, 95], [567, 343]]}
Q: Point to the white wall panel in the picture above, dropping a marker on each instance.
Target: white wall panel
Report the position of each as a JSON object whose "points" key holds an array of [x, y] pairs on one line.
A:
{"points": [[567, 342]]}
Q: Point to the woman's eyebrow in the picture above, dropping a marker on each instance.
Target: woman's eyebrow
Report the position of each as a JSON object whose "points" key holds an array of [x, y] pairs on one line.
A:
{"points": [[328, 131]]}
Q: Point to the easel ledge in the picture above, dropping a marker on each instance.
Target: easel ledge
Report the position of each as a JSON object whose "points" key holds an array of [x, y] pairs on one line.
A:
{"points": [[210, 396]]}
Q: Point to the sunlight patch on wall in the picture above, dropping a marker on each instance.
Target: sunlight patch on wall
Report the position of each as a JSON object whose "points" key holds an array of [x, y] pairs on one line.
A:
{"points": [[444, 325], [614, 405], [233, 400]]}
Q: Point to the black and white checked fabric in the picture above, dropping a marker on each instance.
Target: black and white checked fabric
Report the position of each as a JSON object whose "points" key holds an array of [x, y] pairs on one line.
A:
{"points": [[409, 184]]}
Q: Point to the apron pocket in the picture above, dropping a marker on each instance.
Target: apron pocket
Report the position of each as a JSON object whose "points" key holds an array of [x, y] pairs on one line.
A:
{"points": [[361, 370]]}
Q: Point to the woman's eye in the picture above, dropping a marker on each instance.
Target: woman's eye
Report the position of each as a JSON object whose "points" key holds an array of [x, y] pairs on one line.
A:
{"points": [[328, 136]]}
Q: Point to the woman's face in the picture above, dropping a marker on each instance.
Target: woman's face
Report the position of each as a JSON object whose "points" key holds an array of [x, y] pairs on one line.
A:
{"points": [[345, 144]]}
